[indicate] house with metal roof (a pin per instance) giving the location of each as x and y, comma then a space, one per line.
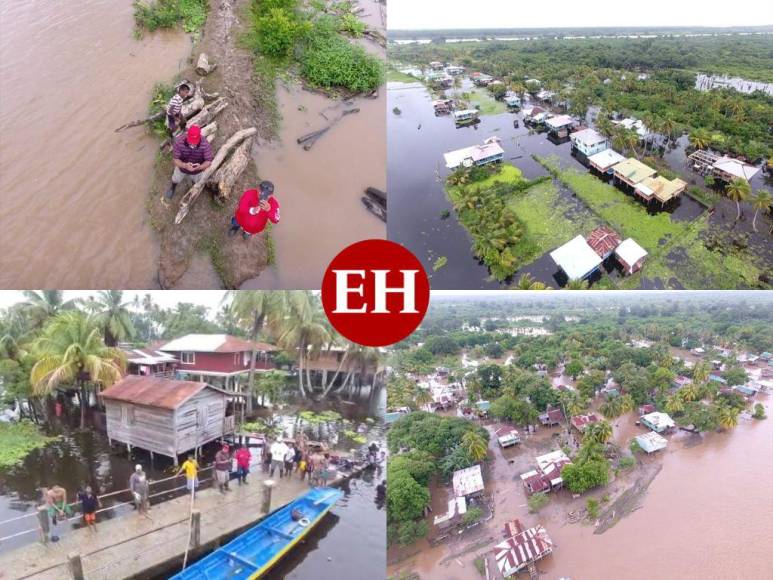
632, 171
651, 442
727, 168
513, 102
658, 422
630, 255
507, 436
466, 116
467, 482
576, 259
636, 125
588, 142
580, 422
490, 152
560, 125
551, 417
547, 475
522, 549
148, 361
659, 188
604, 161
603, 240
165, 416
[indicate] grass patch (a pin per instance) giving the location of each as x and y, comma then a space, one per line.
482, 100
395, 76
537, 501
17, 440
155, 14
439, 263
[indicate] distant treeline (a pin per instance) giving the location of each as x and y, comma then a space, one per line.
564, 32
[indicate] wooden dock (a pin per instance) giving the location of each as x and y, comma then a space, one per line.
135, 546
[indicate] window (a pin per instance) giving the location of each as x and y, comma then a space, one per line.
127, 415
188, 358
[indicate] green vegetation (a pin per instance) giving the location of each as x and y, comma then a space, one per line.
537, 501
759, 411
287, 33
592, 505
472, 515
395, 76
17, 440
481, 197
158, 101
439, 263
677, 250
604, 72
588, 470
627, 461
150, 15
481, 99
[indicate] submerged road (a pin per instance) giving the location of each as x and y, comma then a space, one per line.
127, 546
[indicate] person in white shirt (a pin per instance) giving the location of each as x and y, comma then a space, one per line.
278, 452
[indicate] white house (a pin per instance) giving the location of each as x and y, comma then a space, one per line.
588, 142
576, 258
651, 442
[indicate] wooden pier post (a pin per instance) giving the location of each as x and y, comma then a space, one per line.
44, 523
75, 566
196, 531
268, 484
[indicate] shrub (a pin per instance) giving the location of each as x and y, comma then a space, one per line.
759, 411
537, 502
472, 515
168, 13
626, 462
580, 477
277, 32
406, 498
329, 61
411, 531
351, 25
634, 446
593, 508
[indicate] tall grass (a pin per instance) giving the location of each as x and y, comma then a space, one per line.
152, 15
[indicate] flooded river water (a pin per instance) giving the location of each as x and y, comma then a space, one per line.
707, 514
72, 192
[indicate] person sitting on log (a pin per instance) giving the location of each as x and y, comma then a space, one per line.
174, 118
255, 210
191, 156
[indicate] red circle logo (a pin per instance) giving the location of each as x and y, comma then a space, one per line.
375, 292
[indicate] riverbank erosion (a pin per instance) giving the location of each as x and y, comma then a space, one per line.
196, 220
144, 547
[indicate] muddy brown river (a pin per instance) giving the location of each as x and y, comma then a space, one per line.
72, 192
707, 514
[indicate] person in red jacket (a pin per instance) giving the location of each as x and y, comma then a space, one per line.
254, 211
243, 458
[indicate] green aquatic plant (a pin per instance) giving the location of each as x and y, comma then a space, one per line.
17, 440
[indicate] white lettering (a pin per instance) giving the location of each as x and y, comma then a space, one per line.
343, 290
408, 290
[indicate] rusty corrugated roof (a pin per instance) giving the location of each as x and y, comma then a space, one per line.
154, 391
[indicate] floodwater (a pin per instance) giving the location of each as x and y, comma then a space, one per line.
319, 190
702, 506
708, 82
72, 191
417, 140
84, 457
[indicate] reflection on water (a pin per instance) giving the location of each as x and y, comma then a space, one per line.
72, 191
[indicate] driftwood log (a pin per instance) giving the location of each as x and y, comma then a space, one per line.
209, 131
221, 155
375, 201
208, 113
203, 66
191, 106
308, 140
224, 179
380, 197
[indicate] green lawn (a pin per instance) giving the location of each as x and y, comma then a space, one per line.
482, 100
675, 248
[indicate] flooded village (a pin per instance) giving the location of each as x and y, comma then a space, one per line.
581, 186
618, 434
261, 429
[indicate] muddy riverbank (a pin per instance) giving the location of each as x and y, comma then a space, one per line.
70, 73
691, 509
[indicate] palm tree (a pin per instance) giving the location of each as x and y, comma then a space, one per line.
728, 416
611, 408
422, 397
474, 445
72, 352
675, 404
600, 432
690, 392
111, 314
738, 190
668, 126
760, 201
42, 305
527, 282
252, 308
700, 372
304, 329
700, 138
576, 285
626, 404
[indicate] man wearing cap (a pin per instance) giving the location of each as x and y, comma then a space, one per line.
223, 468
191, 156
139, 486
256, 207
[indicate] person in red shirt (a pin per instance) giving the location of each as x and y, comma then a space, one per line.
243, 458
254, 211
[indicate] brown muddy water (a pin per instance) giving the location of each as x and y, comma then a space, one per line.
72, 192
319, 190
707, 514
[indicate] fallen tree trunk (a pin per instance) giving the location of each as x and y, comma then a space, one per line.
220, 157
378, 196
203, 66
195, 104
208, 113
310, 139
209, 131
225, 178
137, 123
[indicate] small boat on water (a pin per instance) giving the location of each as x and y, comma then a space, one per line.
255, 551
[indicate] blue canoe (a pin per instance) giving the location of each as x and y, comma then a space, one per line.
252, 553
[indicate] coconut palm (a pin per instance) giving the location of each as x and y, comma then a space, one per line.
675, 404
111, 314
690, 392
252, 309
738, 190
600, 432
43, 304
576, 285
422, 397
627, 404
727, 416
700, 372
611, 408
474, 445
71, 351
304, 329
700, 138
760, 201
527, 282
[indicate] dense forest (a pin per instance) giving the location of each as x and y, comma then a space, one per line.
605, 73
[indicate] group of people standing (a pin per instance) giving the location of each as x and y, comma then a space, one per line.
289, 458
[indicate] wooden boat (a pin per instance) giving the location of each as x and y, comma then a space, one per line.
255, 551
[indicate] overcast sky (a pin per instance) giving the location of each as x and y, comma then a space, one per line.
439, 14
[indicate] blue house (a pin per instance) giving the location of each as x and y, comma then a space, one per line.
588, 142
